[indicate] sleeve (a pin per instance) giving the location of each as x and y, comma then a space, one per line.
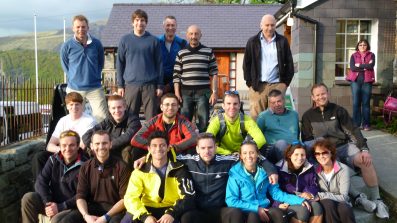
88, 134
353, 65
132, 197
369, 65
214, 128
64, 58
213, 67
260, 121
158, 61
233, 197
289, 62
125, 174
254, 131
140, 138
189, 133
311, 183
58, 128
307, 130
101, 56
344, 184
132, 127
43, 182
267, 166
121, 63
350, 129
178, 67
83, 185
278, 195
247, 64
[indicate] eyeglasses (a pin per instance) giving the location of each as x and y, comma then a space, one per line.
322, 153
170, 105
231, 92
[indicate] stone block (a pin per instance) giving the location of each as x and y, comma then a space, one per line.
6, 162
21, 177
7, 196
11, 213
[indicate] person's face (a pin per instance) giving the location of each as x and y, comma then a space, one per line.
193, 35
231, 105
101, 145
80, 29
362, 47
75, 108
139, 25
277, 104
117, 109
170, 27
206, 149
323, 156
69, 148
298, 158
268, 26
249, 155
320, 96
158, 148
169, 107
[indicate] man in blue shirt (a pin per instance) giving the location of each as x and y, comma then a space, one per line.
82, 59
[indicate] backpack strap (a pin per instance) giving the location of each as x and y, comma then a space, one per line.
222, 127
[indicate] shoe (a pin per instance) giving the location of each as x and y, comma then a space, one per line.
367, 205
382, 211
367, 128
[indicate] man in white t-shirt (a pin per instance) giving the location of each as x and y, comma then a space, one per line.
76, 120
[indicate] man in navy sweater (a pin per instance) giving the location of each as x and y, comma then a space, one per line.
140, 67
82, 59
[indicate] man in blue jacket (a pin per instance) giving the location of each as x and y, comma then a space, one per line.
56, 185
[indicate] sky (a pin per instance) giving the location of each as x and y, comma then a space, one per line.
17, 16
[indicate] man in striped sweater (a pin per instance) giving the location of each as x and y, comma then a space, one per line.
194, 65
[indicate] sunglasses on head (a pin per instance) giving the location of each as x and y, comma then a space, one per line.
297, 143
68, 133
231, 92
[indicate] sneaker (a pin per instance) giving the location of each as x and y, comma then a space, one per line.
367, 205
382, 211
367, 128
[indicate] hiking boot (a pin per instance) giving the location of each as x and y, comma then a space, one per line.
382, 211
367, 205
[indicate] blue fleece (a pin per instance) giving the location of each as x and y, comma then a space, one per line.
139, 61
82, 65
169, 56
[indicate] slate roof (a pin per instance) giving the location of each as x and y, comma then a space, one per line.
223, 26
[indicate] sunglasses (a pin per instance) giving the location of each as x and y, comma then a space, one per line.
322, 153
68, 133
231, 92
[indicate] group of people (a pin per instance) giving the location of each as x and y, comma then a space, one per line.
231, 168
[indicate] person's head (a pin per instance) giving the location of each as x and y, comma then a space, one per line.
363, 45
69, 142
80, 27
193, 34
74, 103
324, 151
268, 25
169, 105
249, 153
158, 145
276, 101
231, 104
139, 21
320, 95
117, 107
206, 147
295, 155
101, 143
169, 25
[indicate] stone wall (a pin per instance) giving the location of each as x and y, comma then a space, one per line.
16, 176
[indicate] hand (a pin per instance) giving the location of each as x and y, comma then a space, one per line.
166, 218
139, 162
213, 99
357, 65
179, 97
262, 212
307, 205
51, 209
273, 179
306, 195
90, 218
121, 92
159, 92
150, 219
101, 219
366, 158
283, 206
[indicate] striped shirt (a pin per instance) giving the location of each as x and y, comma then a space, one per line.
194, 66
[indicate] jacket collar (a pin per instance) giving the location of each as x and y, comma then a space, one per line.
337, 167
283, 165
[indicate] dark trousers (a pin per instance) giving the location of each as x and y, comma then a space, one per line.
99, 209
155, 212
276, 216
213, 215
337, 212
197, 99
144, 95
38, 161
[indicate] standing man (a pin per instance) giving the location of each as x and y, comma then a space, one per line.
279, 125
171, 44
193, 68
140, 67
82, 59
267, 65
102, 183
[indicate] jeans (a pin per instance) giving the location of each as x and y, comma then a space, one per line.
361, 93
198, 99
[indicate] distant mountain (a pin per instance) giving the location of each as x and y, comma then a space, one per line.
49, 41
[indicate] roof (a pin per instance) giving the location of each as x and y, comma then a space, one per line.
223, 26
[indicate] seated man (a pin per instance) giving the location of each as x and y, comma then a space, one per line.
102, 183
76, 120
181, 132
279, 125
231, 126
56, 185
162, 190
333, 122
120, 125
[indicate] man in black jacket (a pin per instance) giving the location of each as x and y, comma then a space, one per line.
120, 125
267, 65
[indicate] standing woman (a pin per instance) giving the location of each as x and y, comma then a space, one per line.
248, 185
334, 183
362, 76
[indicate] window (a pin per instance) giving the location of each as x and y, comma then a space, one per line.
348, 33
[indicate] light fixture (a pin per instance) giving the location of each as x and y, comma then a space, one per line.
290, 20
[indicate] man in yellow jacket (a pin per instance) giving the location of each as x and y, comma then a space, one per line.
162, 190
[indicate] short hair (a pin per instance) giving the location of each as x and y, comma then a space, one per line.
205, 135
116, 97
70, 133
249, 142
156, 135
101, 133
317, 86
139, 13
74, 97
233, 94
328, 145
169, 95
80, 18
274, 93
169, 17
288, 153
363, 41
